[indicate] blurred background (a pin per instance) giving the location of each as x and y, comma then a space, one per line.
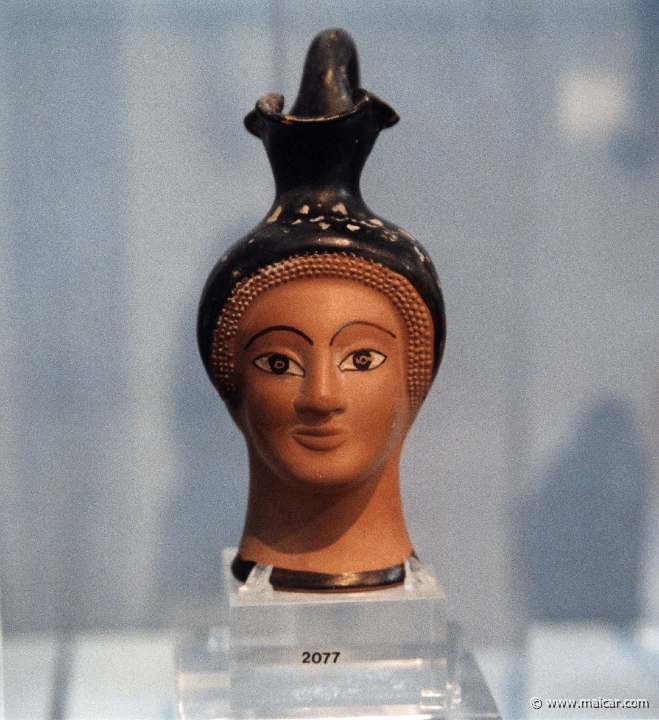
527, 163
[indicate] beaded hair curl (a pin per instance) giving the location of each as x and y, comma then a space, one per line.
343, 266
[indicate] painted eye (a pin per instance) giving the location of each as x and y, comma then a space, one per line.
362, 360
278, 364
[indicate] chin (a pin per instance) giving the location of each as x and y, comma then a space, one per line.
332, 470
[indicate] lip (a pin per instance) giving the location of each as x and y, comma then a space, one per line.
319, 438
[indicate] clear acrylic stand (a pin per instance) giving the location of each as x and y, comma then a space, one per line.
312, 655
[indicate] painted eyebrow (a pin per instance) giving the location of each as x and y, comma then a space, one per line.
279, 327
360, 322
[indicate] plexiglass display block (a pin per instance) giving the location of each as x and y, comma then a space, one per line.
308, 655
336, 649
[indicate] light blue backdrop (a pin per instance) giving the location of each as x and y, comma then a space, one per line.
526, 163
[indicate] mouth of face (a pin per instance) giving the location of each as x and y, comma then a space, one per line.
319, 438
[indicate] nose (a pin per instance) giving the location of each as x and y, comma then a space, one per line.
321, 395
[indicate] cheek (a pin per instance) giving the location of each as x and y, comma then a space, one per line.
267, 402
381, 404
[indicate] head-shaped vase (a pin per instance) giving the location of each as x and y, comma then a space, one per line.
322, 330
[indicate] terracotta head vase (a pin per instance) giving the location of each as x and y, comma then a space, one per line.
322, 330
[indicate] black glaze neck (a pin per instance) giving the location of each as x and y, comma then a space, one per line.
322, 143
321, 154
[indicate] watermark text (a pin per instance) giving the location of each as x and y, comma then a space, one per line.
590, 704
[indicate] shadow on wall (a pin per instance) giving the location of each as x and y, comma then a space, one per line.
582, 532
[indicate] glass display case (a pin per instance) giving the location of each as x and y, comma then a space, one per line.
526, 163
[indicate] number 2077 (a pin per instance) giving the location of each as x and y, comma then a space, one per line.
318, 658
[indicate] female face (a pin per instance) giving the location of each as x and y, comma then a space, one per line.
321, 368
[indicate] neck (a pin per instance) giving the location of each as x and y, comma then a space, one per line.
336, 530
